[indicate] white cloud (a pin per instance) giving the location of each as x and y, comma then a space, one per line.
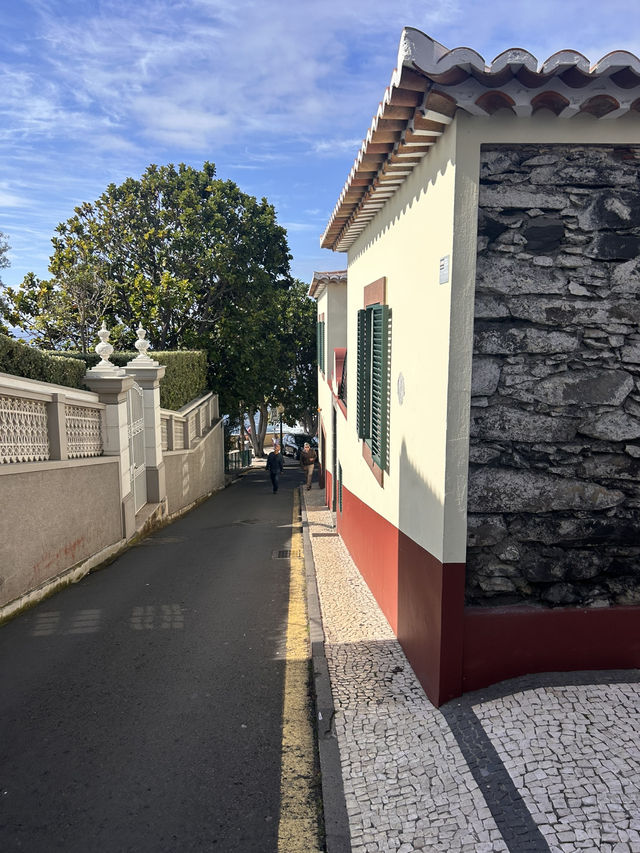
300, 226
91, 93
251, 66
337, 146
11, 199
204, 72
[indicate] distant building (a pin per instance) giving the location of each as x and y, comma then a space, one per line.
479, 363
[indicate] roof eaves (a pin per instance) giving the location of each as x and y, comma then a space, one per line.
321, 280
431, 82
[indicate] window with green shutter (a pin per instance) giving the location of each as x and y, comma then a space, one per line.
342, 389
320, 343
372, 412
363, 406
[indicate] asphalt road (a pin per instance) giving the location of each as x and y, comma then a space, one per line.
140, 710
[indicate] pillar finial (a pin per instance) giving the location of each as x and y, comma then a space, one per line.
104, 348
142, 345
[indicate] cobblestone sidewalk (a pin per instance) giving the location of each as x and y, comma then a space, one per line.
542, 763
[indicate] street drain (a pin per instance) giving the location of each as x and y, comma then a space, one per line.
285, 554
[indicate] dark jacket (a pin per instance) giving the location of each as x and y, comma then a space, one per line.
308, 457
275, 462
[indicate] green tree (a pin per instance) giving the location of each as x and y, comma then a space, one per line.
178, 248
200, 263
270, 359
299, 391
63, 313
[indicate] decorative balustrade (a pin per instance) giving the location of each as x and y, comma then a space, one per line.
23, 430
181, 430
40, 422
84, 431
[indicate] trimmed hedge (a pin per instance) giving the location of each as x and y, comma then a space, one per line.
20, 359
185, 378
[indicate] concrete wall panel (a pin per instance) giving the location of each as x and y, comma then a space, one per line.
64, 512
193, 474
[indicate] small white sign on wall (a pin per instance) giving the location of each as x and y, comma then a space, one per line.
444, 269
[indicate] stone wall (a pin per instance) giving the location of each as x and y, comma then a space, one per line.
554, 480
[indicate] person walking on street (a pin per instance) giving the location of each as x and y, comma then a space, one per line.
275, 464
308, 460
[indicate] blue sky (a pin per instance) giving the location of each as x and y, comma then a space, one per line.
279, 95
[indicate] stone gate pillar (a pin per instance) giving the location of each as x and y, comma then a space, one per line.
147, 373
111, 384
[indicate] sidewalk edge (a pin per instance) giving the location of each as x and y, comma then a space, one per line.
336, 821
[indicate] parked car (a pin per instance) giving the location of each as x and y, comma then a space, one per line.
292, 444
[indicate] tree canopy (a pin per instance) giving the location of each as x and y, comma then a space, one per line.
201, 264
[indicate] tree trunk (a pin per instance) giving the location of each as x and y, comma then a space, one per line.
257, 450
262, 424
241, 436
258, 432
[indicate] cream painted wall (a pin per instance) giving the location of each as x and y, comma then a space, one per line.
195, 473
55, 515
405, 243
336, 319
326, 307
433, 323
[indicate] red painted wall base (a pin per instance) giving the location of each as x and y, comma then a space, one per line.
421, 598
327, 488
502, 643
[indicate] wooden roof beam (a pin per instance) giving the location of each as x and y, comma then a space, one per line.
406, 98
398, 112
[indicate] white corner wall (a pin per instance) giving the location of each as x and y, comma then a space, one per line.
335, 310
405, 244
324, 307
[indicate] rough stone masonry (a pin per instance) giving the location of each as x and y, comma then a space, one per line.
554, 480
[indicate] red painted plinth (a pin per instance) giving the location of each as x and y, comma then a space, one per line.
421, 598
327, 488
502, 643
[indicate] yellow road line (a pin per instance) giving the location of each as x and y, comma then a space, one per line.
298, 829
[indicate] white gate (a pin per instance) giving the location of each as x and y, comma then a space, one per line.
135, 413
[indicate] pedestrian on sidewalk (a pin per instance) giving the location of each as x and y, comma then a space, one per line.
275, 464
308, 461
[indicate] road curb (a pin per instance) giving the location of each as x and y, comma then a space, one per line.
336, 821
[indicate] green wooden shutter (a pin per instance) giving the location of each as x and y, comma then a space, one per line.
379, 383
363, 405
320, 345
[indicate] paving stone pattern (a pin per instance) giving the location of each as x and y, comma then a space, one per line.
544, 763
573, 752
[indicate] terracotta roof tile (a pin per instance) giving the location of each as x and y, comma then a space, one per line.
322, 279
431, 82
